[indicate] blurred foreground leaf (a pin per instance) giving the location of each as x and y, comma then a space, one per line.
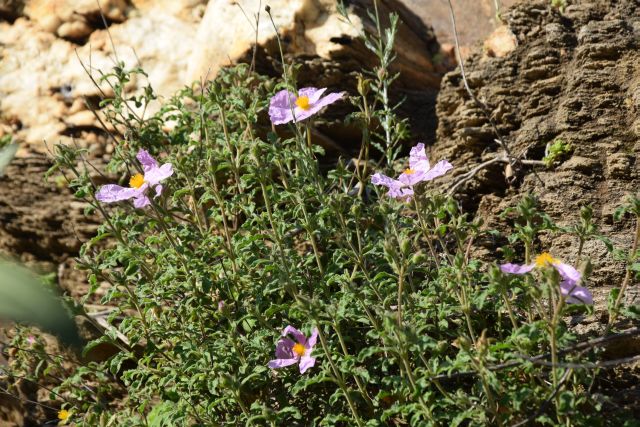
23, 298
7, 153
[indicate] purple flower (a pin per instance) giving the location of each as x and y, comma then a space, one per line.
419, 170
290, 352
138, 184
286, 106
569, 287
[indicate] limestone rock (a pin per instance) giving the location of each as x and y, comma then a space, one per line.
572, 77
312, 29
51, 14
41, 76
500, 43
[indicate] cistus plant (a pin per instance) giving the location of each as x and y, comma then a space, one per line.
398, 320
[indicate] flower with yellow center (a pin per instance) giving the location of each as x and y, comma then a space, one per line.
298, 349
545, 259
295, 351
303, 102
63, 415
136, 181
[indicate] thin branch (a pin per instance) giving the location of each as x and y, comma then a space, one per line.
535, 359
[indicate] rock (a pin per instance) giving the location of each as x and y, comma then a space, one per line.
11, 9
500, 43
41, 76
82, 119
74, 30
312, 29
475, 19
573, 77
37, 219
51, 14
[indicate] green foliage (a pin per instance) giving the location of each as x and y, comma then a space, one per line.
556, 152
559, 4
250, 235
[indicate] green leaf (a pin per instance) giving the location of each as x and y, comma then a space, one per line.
25, 299
7, 154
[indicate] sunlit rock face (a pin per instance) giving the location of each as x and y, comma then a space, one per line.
570, 77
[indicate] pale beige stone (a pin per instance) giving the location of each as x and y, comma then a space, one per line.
500, 43
74, 30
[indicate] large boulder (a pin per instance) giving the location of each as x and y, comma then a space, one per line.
574, 76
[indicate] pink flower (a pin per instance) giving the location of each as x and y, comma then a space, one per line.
139, 184
570, 277
286, 106
289, 352
419, 170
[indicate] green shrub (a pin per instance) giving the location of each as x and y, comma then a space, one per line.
250, 235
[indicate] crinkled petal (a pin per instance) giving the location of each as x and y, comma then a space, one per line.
284, 349
311, 342
418, 158
567, 272
281, 363
114, 193
327, 100
155, 175
158, 189
411, 178
141, 201
315, 107
381, 179
146, 160
576, 294
306, 362
299, 336
516, 268
313, 93
405, 193
438, 169
280, 107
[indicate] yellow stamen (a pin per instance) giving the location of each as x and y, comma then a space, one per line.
63, 415
409, 171
299, 349
303, 102
544, 259
136, 181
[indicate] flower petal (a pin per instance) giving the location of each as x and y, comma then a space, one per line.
411, 179
405, 193
299, 336
438, 169
315, 107
141, 201
158, 189
418, 158
576, 294
327, 100
114, 193
312, 93
155, 175
381, 179
568, 273
284, 349
281, 363
306, 362
311, 342
516, 268
280, 107
146, 160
